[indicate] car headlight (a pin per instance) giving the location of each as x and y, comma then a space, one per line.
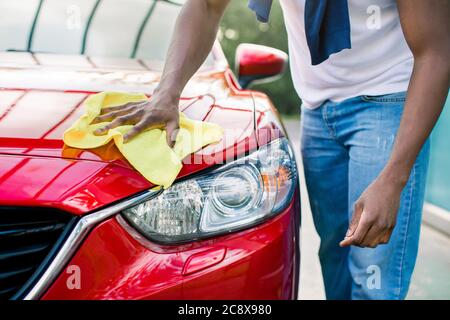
235, 196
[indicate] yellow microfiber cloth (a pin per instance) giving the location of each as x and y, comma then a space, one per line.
148, 152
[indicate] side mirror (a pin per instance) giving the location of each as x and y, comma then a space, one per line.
256, 63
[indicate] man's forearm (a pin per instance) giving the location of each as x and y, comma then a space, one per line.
429, 83
425, 100
193, 38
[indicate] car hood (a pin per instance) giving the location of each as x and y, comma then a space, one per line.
36, 168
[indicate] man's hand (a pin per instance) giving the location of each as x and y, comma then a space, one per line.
374, 215
160, 111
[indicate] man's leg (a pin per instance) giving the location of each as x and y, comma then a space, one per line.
325, 163
383, 272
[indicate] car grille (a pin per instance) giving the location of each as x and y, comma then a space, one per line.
29, 238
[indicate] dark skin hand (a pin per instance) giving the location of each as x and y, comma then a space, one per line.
426, 25
186, 54
159, 111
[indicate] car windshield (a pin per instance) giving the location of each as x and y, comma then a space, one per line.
136, 29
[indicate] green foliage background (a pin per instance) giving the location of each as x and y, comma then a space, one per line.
240, 25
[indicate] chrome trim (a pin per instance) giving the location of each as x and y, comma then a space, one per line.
76, 237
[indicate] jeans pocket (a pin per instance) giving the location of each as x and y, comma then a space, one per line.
398, 97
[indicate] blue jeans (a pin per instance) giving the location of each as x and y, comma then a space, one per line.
344, 147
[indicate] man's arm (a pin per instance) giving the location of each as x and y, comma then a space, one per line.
426, 26
192, 40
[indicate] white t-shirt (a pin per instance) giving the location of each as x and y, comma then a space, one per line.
380, 62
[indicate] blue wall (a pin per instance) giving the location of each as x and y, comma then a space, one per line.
438, 188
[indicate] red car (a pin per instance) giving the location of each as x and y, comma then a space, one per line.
83, 224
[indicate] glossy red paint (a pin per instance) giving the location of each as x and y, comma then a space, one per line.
258, 263
71, 185
256, 60
203, 260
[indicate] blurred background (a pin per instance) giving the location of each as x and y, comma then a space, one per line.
239, 26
